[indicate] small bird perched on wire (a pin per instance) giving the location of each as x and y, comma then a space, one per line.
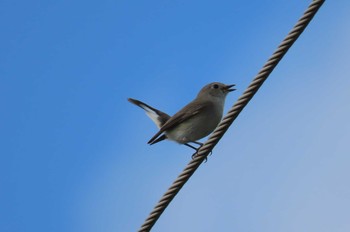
194, 121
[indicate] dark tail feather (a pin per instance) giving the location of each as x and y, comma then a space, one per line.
161, 138
154, 138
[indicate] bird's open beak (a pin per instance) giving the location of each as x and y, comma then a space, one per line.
228, 88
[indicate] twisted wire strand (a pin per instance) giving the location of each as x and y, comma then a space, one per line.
248, 94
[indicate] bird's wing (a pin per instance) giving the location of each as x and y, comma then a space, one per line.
184, 114
157, 116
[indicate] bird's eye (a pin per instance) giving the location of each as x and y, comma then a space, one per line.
215, 86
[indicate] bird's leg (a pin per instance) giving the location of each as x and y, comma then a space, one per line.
188, 145
193, 147
201, 144
196, 149
198, 143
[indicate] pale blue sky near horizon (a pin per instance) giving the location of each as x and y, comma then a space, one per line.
74, 153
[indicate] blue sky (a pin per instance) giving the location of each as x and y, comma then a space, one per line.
73, 154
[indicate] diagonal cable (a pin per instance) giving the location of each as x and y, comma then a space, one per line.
248, 94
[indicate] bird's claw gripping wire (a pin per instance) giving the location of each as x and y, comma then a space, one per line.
196, 149
205, 160
194, 154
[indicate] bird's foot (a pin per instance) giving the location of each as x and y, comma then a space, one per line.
196, 149
195, 154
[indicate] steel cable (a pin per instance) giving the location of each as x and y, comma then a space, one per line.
248, 94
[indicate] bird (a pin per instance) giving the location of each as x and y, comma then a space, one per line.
194, 121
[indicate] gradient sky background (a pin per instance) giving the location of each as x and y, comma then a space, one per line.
73, 154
